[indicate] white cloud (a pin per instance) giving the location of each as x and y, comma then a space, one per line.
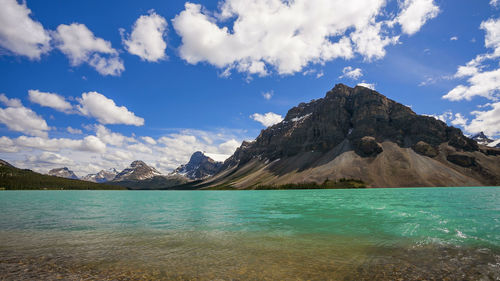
20, 34
10, 102
254, 37
443, 117
267, 119
89, 143
459, 120
484, 83
140, 147
268, 95
80, 45
370, 43
229, 146
106, 111
149, 140
415, 13
21, 119
112, 138
367, 85
7, 145
146, 40
353, 73
494, 3
49, 158
91, 153
74, 131
486, 121
454, 38
51, 100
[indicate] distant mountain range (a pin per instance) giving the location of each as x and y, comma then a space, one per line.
102, 176
15, 178
351, 137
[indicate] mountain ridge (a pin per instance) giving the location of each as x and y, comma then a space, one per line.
358, 133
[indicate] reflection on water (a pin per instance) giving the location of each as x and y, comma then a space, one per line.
402, 234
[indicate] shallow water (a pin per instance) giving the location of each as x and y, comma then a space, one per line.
370, 234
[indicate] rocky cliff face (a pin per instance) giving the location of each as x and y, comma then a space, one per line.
360, 127
137, 170
199, 167
359, 115
102, 176
62, 173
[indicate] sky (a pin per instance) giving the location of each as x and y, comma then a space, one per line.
92, 85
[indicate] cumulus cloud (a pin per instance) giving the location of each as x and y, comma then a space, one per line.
49, 158
486, 121
19, 33
112, 138
350, 72
108, 149
482, 81
229, 146
51, 100
80, 45
255, 37
10, 102
267, 119
494, 3
140, 147
106, 111
454, 38
459, 120
7, 145
22, 119
415, 14
146, 40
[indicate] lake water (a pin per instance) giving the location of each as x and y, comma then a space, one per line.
369, 234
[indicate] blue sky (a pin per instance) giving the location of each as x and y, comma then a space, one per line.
96, 84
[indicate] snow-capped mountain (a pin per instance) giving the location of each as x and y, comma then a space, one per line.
199, 166
102, 176
495, 143
482, 139
138, 170
62, 173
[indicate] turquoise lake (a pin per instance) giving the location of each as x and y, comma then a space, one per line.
367, 234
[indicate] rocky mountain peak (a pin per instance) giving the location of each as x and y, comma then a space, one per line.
199, 166
62, 173
482, 139
102, 176
138, 170
350, 115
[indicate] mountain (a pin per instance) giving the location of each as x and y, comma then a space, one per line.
62, 173
357, 133
482, 139
137, 170
102, 176
15, 178
199, 167
495, 143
